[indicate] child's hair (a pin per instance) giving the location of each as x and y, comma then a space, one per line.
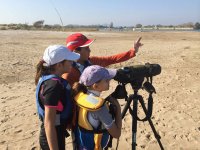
43, 70
78, 87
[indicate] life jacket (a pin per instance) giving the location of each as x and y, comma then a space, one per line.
66, 114
89, 137
80, 67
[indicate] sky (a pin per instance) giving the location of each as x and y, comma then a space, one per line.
100, 12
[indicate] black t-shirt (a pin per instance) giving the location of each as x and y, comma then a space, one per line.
51, 93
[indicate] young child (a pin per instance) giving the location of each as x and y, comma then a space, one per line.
53, 96
95, 123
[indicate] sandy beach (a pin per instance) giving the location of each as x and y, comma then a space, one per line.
176, 108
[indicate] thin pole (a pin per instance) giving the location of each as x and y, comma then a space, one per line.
57, 12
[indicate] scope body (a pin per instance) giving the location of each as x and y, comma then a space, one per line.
137, 72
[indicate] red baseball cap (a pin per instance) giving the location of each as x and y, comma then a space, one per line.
77, 40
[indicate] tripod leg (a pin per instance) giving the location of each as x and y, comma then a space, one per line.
157, 136
134, 117
127, 106
134, 122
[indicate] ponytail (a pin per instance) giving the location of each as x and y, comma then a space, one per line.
41, 69
78, 87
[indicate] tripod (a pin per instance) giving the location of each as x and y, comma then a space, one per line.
133, 111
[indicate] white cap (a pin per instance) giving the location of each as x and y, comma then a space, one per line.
57, 53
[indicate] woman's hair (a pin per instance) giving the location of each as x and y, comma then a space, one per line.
78, 49
78, 87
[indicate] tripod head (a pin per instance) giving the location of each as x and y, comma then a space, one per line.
121, 93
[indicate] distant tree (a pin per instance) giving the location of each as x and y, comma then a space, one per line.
159, 25
38, 24
111, 25
149, 26
70, 26
57, 26
46, 26
197, 26
24, 26
138, 25
187, 25
12, 25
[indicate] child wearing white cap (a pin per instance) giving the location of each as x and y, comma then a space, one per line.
53, 98
95, 122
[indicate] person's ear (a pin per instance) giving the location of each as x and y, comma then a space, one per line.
59, 64
95, 86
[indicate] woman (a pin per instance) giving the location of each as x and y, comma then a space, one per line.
53, 97
95, 122
79, 43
